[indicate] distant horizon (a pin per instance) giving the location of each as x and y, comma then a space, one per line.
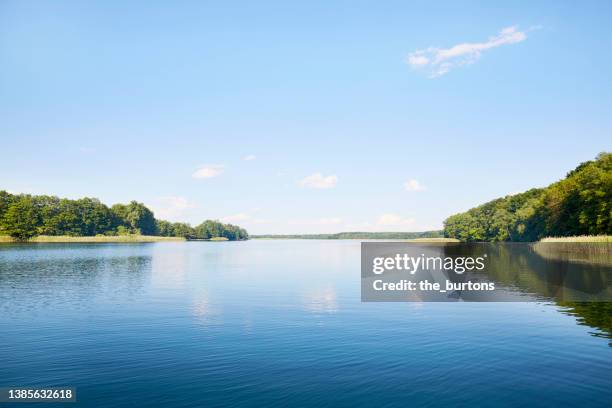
350, 232
257, 234
330, 232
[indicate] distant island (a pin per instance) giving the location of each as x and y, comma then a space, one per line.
24, 217
357, 235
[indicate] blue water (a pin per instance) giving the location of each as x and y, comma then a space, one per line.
274, 323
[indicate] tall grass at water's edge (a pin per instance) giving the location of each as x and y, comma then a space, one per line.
590, 249
581, 238
100, 238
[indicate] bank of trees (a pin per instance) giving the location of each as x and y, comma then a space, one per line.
209, 229
580, 204
24, 216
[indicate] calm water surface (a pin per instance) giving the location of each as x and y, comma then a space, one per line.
269, 323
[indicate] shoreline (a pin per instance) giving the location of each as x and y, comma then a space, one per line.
583, 241
95, 239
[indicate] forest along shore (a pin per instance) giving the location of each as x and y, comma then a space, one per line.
106, 238
24, 216
101, 239
577, 205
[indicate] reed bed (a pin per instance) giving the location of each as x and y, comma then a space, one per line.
579, 238
590, 249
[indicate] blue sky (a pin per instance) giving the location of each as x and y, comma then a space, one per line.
301, 117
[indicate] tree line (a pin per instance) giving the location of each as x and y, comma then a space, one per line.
24, 216
579, 204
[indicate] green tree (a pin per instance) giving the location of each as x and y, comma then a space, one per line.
50, 215
5, 200
180, 229
96, 218
580, 204
21, 219
214, 229
135, 216
164, 228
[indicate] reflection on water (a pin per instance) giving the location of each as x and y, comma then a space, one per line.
551, 271
321, 301
269, 323
60, 274
169, 265
204, 310
594, 314
559, 279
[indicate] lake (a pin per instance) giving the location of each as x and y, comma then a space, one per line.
281, 323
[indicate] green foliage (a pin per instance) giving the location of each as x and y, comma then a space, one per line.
25, 216
184, 230
580, 204
5, 201
164, 228
20, 220
84, 217
123, 230
210, 229
135, 216
177, 229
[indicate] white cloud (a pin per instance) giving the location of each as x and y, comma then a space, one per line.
394, 220
413, 185
439, 61
329, 221
249, 157
240, 217
317, 180
318, 221
417, 60
208, 171
172, 208
247, 217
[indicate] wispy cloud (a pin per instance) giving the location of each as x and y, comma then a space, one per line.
329, 221
237, 218
208, 171
317, 180
439, 61
413, 185
318, 221
246, 217
249, 157
394, 220
172, 208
